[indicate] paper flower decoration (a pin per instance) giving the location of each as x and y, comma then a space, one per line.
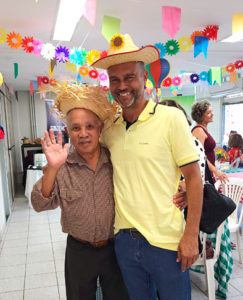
239, 64
92, 56
27, 44
176, 81
203, 76
196, 33
194, 78
14, 40
117, 41
78, 56
62, 54
185, 43
45, 79
230, 68
84, 71
167, 82
105, 88
53, 82
172, 47
211, 32
48, 51
3, 36
93, 74
103, 54
103, 76
37, 44
161, 48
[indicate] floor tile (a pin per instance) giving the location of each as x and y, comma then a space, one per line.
40, 281
12, 271
60, 278
62, 292
40, 256
40, 268
50, 293
35, 240
11, 284
59, 265
12, 260
12, 295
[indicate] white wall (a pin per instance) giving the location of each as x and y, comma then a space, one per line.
40, 113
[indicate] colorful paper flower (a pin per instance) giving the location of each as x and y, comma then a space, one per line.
117, 41
93, 74
103, 54
211, 32
239, 64
230, 68
3, 36
194, 78
48, 51
185, 43
45, 79
62, 54
37, 44
53, 82
176, 81
167, 82
84, 71
14, 40
172, 47
92, 56
103, 76
161, 48
78, 56
27, 44
203, 76
105, 88
196, 33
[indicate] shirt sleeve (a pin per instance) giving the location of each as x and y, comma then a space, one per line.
182, 142
41, 203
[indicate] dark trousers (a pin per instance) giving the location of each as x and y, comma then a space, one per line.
83, 265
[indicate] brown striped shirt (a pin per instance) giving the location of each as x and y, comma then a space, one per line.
84, 195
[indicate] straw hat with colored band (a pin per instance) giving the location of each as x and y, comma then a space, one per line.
93, 98
122, 50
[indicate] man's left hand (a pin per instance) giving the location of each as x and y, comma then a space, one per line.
187, 251
179, 199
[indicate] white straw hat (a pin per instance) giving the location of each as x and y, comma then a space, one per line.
122, 50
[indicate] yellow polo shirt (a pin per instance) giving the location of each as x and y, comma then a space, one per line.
146, 160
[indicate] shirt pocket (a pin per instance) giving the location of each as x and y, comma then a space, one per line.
70, 195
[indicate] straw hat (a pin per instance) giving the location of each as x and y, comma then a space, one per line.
93, 98
122, 50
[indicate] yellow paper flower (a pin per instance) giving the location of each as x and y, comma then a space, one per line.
92, 56
117, 41
3, 36
185, 43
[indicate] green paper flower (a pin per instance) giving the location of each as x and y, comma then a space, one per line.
172, 47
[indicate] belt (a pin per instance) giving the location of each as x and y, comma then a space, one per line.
134, 233
93, 244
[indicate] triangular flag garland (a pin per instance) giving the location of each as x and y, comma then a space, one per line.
110, 27
1, 133
1, 78
201, 45
171, 19
16, 70
90, 11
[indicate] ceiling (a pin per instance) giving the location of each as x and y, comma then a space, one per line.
140, 18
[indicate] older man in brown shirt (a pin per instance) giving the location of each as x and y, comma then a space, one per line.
80, 182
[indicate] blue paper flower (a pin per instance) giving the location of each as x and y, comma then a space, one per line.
161, 48
203, 76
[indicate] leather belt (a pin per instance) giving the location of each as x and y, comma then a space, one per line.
134, 233
93, 244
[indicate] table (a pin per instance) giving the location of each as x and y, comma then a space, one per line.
33, 175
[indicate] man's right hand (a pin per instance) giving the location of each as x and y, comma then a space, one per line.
56, 154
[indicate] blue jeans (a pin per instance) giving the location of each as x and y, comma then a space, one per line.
146, 268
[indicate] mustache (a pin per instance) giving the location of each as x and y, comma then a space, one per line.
84, 140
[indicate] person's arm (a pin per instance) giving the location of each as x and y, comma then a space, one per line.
188, 246
200, 134
218, 174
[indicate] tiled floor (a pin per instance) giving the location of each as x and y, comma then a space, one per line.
32, 259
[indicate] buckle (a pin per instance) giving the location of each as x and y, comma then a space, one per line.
134, 233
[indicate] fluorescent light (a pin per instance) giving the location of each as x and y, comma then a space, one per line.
236, 95
236, 37
69, 14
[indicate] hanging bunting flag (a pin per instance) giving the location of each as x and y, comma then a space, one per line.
71, 67
31, 88
237, 23
171, 19
39, 81
90, 11
233, 77
201, 45
1, 78
35, 85
16, 70
215, 75
110, 27
79, 78
1, 133
52, 65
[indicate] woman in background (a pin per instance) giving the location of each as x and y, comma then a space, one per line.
202, 114
235, 145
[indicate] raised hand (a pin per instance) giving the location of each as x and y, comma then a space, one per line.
56, 154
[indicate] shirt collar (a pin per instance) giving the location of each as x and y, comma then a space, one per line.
147, 112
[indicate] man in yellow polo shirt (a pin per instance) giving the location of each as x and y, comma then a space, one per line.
150, 146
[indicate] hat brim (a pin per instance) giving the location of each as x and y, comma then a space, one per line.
147, 55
